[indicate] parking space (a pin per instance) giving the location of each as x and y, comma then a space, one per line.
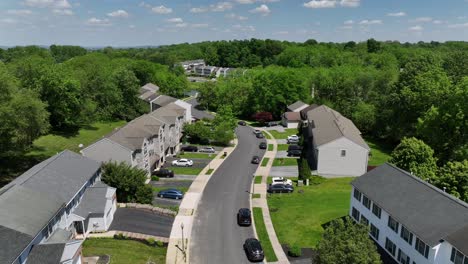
284, 171
169, 184
141, 221
197, 163
282, 154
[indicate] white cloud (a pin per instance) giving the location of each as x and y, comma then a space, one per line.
234, 16
19, 12
65, 12
348, 22
244, 28
175, 20
198, 10
132, 26
181, 25
243, 2
370, 22
320, 4
161, 10
221, 7
397, 14
118, 13
98, 22
347, 27
199, 25
421, 20
281, 33
437, 22
350, 3
57, 4
8, 21
263, 10
416, 28
464, 25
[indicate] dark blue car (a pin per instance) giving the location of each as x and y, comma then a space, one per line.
171, 193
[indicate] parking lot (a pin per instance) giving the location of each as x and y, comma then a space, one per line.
168, 184
141, 221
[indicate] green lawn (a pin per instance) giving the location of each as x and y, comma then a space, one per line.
208, 172
186, 170
282, 147
285, 162
258, 179
265, 162
191, 155
267, 136
380, 152
298, 217
263, 235
256, 196
284, 135
124, 251
270, 147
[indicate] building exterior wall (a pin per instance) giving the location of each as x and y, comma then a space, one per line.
331, 162
188, 110
104, 150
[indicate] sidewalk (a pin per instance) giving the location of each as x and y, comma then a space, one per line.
182, 226
262, 201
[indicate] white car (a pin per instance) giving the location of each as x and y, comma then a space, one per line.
182, 163
256, 131
281, 180
293, 137
207, 150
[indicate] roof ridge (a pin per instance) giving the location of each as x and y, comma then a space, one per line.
50, 160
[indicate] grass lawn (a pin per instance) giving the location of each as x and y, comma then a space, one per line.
282, 147
191, 155
258, 179
186, 170
157, 189
124, 251
265, 162
285, 162
263, 235
298, 217
283, 135
208, 172
267, 136
256, 196
270, 147
380, 152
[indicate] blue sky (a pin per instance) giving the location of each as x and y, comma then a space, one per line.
156, 22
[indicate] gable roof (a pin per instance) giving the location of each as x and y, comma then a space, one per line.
292, 116
46, 253
12, 244
163, 100
428, 212
168, 113
296, 105
327, 125
306, 110
94, 200
150, 87
148, 92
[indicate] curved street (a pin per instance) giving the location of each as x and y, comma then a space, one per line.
216, 237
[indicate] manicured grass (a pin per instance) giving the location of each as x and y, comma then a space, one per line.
270, 147
283, 135
298, 217
49, 145
256, 196
263, 235
209, 172
282, 147
157, 189
191, 155
265, 162
285, 162
380, 152
267, 136
124, 251
186, 170
258, 179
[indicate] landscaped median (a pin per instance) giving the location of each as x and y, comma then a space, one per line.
186, 170
285, 162
263, 235
265, 162
195, 155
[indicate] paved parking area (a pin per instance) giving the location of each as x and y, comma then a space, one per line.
197, 163
164, 202
141, 221
284, 171
277, 128
282, 154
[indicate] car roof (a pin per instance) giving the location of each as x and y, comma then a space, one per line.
166, 190
244, 210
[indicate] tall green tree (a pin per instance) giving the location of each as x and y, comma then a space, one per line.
453, 178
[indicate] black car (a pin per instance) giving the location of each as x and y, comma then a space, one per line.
253, 249
263, 145
280, 188
164, 173
294, 147
272, 123
259, 135
242, 123
294, 153
190, 148
255, 160
244, 217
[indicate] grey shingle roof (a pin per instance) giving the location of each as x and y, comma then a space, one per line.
46, 254
198, 114
60, 236
133, 134
164, 100
12, 244
307, 109
94, 201
296, 105
150, 87
327, 125
428, 212
148, 92
292, 116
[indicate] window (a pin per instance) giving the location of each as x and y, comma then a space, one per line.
343, 153
355, 213
357, 194
390, 246
376, 210
402, 257
421, 247
406, 235
366, 202
457, 257
374, 231
393, 224
364, 220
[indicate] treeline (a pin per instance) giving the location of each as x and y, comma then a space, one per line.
65, 87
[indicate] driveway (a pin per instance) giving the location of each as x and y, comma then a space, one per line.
282, 154
168, 184
142, 221
197, 163
216, 237
284, 171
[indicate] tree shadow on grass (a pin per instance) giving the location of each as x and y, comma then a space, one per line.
14, 165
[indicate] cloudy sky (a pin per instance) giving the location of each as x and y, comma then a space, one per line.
156, 22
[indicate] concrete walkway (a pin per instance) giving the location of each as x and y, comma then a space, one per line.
182, 227
262, 201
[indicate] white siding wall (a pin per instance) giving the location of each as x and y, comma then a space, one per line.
442, 250
188, 110
330, 161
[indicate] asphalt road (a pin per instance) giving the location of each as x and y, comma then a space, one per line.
216, 237
142, 221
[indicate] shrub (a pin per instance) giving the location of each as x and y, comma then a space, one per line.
154, 178
294, 251
150, 241
119, 236
159, 243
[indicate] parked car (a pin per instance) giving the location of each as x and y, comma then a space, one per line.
281, 180
294, 153
242, 123
207, 150
171, 193
280, 188
260, 135
190, 148
293, 137
244, 217
294, 147
263, 145
273, 123
255, 160
182, 163
164, 173
256, 131
253, 249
